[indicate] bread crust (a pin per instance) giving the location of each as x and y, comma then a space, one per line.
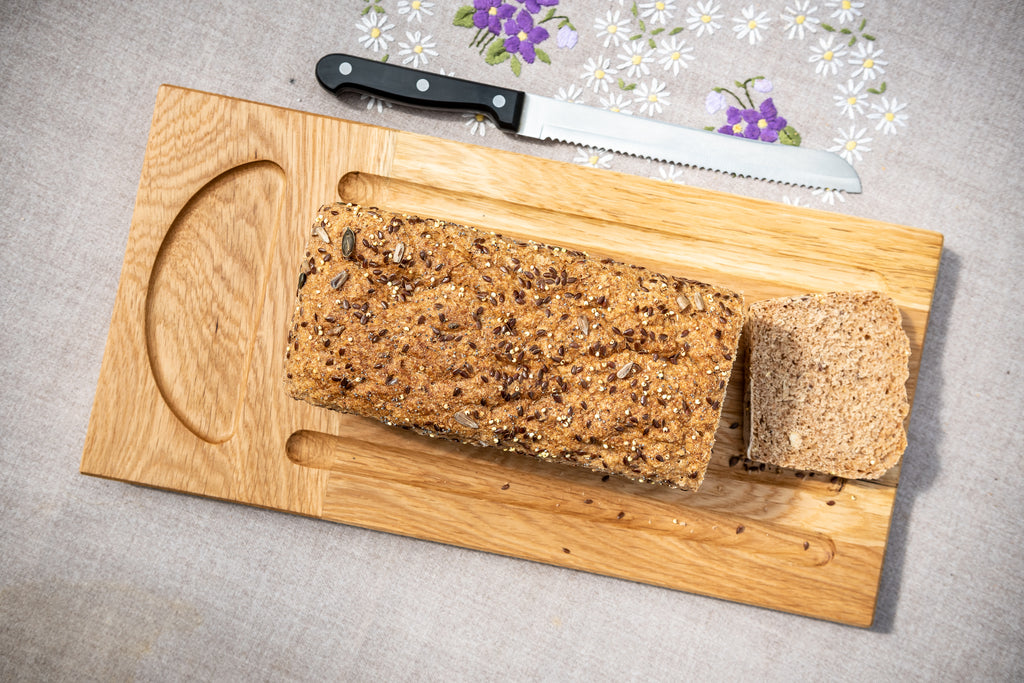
464, 334
826, 383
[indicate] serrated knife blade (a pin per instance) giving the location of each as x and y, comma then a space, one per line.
545, 118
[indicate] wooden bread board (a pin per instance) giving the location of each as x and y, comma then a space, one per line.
190, 395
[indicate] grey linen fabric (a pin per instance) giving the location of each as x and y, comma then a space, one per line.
101, 580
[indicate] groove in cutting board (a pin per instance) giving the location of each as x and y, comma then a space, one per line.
190, 396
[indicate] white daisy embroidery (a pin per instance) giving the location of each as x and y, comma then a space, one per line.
827, 56
595, 158
851, 99
704, 17
751, 25
478, 124
866, 59
613, 27
375, 29
851, 144
793, 201
671, 173
800, 18
372, 102
597, 72
674, 54
636, 58
415, 9
416, 50
889, 115
846, 10
651, 97
570, 93
828, 196
617, 102
657, 12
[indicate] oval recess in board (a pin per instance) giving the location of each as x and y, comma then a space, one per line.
205, 294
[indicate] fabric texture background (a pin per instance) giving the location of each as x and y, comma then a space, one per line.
101, 580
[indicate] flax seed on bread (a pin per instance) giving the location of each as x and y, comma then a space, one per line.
826, 383
468, 335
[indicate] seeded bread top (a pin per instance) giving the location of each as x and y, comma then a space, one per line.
465, 334
827, 383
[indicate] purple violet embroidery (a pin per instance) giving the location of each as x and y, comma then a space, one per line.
490, 13
567, 37
763, 123
512, 30
754, 122
523, 35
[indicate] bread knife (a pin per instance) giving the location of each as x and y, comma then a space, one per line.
545, 118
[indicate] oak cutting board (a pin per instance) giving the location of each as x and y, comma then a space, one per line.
190, 395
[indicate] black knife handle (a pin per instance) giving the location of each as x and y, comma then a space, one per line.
338, 73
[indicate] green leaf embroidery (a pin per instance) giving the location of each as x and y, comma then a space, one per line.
547, 17
496, 54
385, 58
877, 91
711, 128
626, 86
464, 17
845, 31
638, 36
650, 41
789, 136
517, 66
635, 11
863, 23
542, 56
867, 37
852, 41
657, 31
677, 29
828, 28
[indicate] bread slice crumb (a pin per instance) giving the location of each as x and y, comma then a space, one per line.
827, 383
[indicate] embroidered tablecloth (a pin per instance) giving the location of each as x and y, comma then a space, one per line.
104, 581
818, 73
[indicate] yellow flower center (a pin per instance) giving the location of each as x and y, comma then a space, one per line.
522, 36
828, 56
637, 59
751, 24
801, 19
612, 28
869, 63
652, 98
851, 100
762, 124
737, 128
846, 4
418, 49
599, 74
706, 18
593, 159
660, 6
616, 109
375, 32
889, 116
492, 11
676, 56
416, 4
851, 145
479, 118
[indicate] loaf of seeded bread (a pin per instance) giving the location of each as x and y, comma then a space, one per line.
464, 334
826, 383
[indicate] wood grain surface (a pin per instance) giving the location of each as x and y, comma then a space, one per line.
190, 396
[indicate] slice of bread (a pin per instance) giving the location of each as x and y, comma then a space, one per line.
827, 381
